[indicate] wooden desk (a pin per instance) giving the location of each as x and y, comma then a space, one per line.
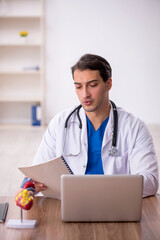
50, 227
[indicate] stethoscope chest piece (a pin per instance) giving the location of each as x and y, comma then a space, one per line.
113, 152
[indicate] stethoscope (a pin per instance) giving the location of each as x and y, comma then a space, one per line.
113, 151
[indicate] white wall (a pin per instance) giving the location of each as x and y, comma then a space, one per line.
125, 32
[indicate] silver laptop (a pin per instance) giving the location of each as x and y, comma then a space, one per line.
100, 198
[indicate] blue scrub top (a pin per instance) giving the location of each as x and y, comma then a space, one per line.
95, 138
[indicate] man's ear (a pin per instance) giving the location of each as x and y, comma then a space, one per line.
108, 84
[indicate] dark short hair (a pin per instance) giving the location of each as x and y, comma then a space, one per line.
94, 62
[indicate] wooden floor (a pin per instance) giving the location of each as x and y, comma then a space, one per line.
18, 146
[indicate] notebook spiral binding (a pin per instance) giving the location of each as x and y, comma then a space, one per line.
66, 164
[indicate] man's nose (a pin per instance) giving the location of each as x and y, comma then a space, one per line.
86, 92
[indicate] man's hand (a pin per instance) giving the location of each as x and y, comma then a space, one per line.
39, 187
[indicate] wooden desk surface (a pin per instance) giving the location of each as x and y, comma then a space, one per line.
49, 224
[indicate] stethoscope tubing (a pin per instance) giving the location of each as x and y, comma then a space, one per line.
76, 109
115, 125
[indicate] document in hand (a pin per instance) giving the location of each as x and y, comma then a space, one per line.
49, 173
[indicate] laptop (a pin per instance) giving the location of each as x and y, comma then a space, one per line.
101, 198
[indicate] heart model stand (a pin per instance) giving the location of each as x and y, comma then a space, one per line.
25, 201
20, 223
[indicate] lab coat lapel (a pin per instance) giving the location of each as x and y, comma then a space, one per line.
109, 130
84, 128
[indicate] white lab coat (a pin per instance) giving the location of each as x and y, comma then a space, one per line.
136, 154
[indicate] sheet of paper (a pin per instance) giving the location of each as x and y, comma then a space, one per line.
48, 173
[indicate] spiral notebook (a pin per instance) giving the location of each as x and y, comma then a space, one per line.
49, 173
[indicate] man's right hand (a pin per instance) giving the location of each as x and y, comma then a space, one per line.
39, 187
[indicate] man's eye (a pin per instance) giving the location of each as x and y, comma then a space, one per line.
93, 85
78, 87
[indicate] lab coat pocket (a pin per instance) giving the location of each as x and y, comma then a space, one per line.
121, 164
117, 165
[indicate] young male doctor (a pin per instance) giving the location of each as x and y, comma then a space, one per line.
86, 148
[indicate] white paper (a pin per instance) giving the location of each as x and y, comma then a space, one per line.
48, 173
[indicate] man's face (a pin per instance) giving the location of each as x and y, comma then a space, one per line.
91, 90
